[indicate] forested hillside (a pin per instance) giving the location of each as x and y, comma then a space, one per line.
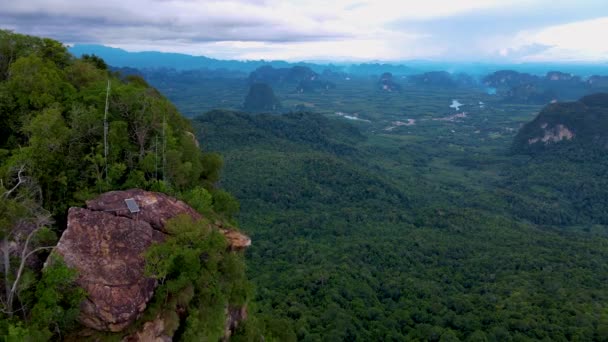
383, 237
564, 181
52, 157
434, 211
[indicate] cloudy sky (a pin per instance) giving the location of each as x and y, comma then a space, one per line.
391, 30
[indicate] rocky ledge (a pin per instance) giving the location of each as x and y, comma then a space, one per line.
105, 243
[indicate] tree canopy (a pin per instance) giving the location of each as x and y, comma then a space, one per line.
53, 141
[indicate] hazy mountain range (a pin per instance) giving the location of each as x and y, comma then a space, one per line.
154, 59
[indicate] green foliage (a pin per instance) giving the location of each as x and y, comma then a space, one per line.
11, 211
83, 75
411, 234
225, 203
55, 307
221, 128
197, 272
212, 165
138, 80
58, 299
52, 110
14, 46
562, 183
47, 150
200, 199
98, 62
118, 138
36, 83
366, 231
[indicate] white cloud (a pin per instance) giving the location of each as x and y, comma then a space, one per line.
577, 41
320, 29
383, 11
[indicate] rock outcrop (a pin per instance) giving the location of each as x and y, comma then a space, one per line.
107, 252
234, 316
152, 331
387, 83
236, 240
261, 98
105, 242
155, 208
552, 135
581, 123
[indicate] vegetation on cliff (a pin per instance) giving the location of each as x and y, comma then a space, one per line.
55, 153
380, 216
582, 123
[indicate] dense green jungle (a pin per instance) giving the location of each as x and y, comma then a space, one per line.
381, 207
52, 158
390, 216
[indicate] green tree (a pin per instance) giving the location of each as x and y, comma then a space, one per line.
225, 203
194, 260
36, 83
200, 199
212, 166
48, 137
97, 61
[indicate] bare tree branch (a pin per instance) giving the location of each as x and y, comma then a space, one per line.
7, 268
36, 250
27, 195
24, 256
21, 181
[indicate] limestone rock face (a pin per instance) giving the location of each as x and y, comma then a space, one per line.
155, 208
105, 243
236, 240
152, 331
234, 316
261, 97
107, 252
581, 123
387, 83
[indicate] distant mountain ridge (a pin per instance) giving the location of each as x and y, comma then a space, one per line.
268, 74
553, 86
154, 59
306, 79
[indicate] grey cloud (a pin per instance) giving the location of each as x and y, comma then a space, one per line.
467, 35
167, 23
155, 20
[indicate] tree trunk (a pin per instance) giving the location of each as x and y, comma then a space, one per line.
7, 272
